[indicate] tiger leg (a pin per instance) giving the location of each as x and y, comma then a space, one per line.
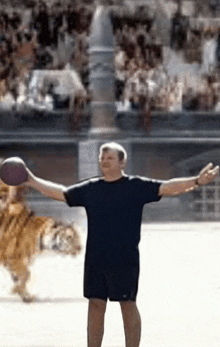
21, 275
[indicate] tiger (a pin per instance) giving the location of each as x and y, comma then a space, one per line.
23, 235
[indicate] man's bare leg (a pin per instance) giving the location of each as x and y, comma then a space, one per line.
132, 323
96, 315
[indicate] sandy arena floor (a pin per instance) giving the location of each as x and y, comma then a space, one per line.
179, 295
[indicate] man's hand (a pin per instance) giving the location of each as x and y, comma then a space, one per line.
207, 174
51, 190
29, 177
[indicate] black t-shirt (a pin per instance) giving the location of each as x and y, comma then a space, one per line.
114, 211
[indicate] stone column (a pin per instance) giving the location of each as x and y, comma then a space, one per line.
89, 158
102, 87
88, 163
102, 81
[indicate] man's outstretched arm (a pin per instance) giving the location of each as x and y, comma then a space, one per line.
178, 186
50, 189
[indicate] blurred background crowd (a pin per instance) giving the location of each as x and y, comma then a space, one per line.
149, 74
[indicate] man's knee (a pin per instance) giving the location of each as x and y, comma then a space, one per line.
128, 305
130, 311
98, 305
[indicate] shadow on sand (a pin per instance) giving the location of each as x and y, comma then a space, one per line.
44, 300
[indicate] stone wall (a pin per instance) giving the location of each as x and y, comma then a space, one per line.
154, 158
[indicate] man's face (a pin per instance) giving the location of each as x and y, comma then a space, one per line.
109, 163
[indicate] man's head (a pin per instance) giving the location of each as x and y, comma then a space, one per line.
112, 159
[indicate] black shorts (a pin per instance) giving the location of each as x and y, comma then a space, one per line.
116, 284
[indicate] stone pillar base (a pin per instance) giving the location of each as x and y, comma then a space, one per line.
88, 157
104, 132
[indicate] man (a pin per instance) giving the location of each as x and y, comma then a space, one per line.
114, 205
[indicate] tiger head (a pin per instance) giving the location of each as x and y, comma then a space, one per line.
64, 239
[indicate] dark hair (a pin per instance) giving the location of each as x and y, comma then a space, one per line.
28, 36
122, 154
19, 36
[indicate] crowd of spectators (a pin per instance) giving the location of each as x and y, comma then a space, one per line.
198, 40
142, 75
52, 35
138, 61
46, 36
